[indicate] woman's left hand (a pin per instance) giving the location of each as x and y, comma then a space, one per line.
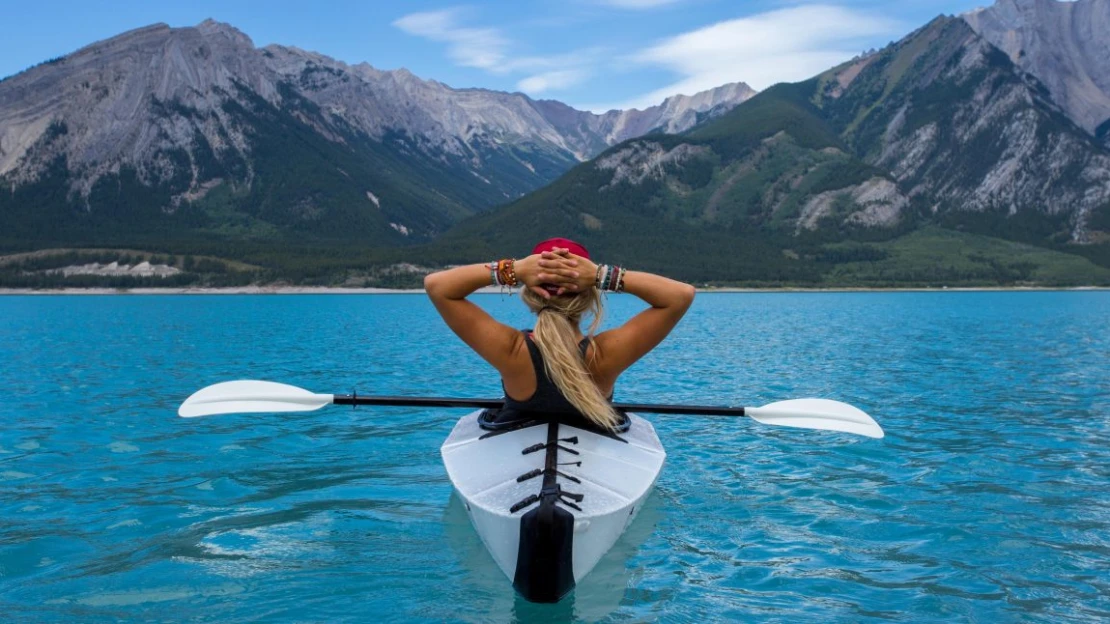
557, 268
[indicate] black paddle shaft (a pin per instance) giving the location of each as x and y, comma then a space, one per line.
403, 401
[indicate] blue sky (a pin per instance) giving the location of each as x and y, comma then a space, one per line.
591, 54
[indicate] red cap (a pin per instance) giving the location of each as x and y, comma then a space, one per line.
564, 243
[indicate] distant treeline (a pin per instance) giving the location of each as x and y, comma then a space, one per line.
705, 258
180, 280
76, 258
43, 271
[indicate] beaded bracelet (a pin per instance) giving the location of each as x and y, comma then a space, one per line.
505, 273
609, 278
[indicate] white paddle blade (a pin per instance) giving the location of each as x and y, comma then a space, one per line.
239, 397
817, 414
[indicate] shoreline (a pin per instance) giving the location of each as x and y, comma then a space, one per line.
329, 290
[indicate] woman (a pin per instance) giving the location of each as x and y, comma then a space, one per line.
555, 369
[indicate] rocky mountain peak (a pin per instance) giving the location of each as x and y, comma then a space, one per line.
102, 96
212, 28
706, 100
1065, 45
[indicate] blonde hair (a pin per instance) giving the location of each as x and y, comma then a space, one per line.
556, 321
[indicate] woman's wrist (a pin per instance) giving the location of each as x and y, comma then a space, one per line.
504, 272
609, 278
529, 269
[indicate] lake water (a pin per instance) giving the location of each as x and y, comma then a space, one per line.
987, 501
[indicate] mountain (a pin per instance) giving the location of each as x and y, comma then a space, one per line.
184, 133
937, 131
676, 114
938, 160
1064, 44
969, 135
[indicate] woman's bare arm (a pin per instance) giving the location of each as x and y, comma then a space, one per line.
621, 347
449, 289
669, 299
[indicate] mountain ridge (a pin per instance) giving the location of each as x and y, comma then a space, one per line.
99, 91
177, 110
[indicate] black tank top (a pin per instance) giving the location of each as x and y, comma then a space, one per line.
547, 402
547, 399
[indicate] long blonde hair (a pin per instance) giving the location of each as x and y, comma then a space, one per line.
557, 319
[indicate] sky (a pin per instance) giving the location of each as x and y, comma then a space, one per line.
591, 54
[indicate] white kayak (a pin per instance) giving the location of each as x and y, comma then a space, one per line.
550, 499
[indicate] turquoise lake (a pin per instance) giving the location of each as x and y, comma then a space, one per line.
988, 501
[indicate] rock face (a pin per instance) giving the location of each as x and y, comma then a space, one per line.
963, 131
646, 159
190, 110
876, 202
1066, 45
102, 95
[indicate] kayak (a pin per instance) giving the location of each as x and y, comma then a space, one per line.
547, 498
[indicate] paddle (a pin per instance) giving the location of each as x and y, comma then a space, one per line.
232, 397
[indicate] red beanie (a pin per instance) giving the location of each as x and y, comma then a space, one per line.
564, 243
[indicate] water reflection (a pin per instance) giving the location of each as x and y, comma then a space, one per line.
598, 595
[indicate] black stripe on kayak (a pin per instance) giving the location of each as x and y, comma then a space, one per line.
544, 565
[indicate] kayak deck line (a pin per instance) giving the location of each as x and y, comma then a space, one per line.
551, 491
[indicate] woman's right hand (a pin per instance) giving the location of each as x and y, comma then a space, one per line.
537, 272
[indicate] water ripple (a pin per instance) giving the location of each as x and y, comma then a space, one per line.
985, 502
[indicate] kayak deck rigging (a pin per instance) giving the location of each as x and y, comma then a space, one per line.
551, 490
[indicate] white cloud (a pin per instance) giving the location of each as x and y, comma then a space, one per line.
552, 81
483, 48
638, 4
577, 59
488, 49
785, 45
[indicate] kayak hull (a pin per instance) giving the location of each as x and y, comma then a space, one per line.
550, 499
